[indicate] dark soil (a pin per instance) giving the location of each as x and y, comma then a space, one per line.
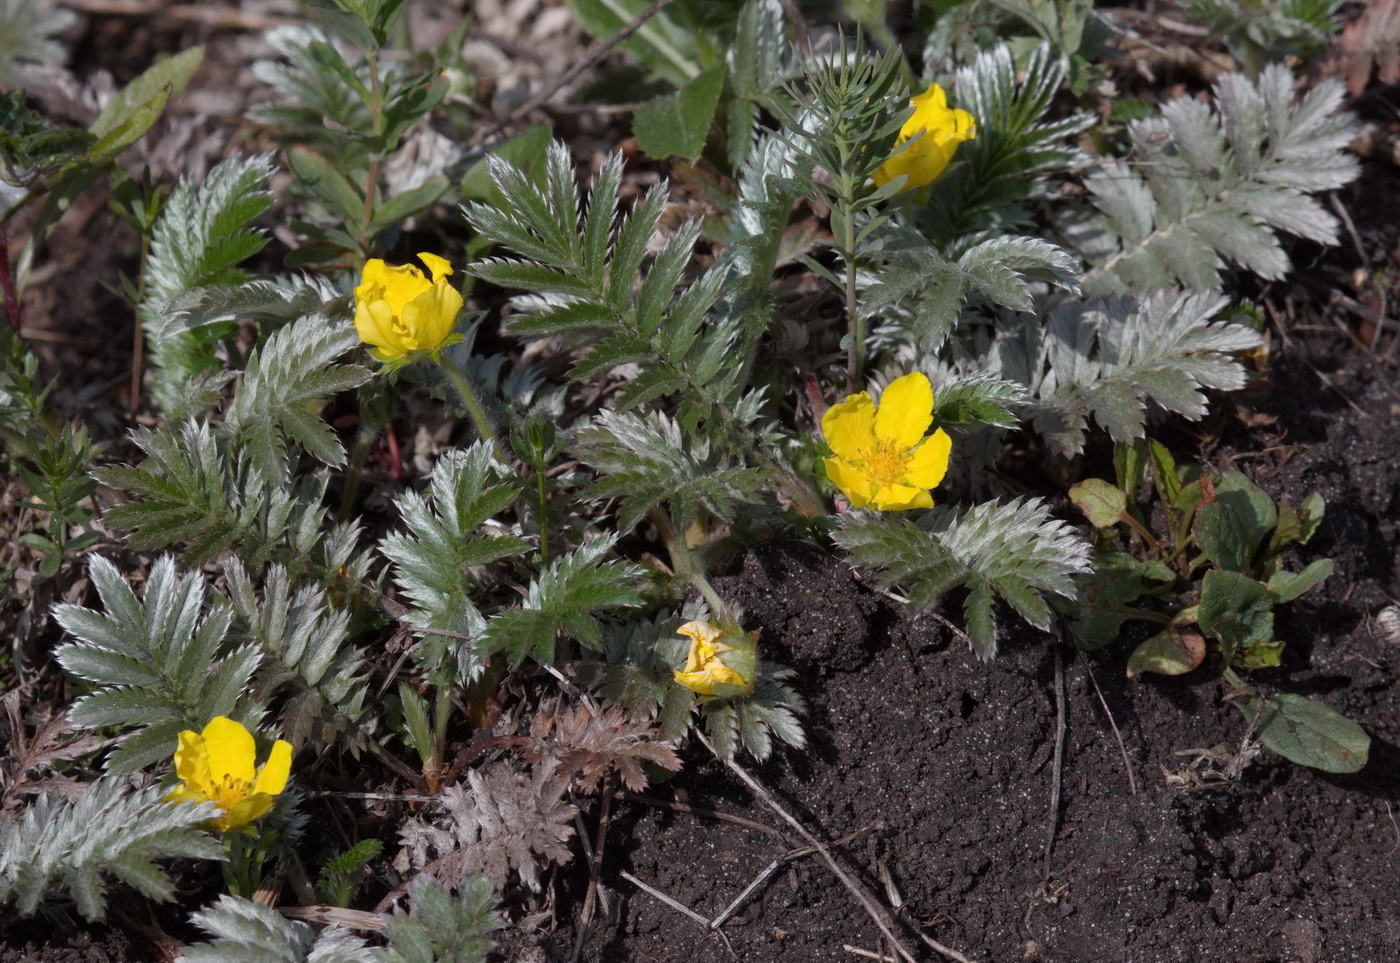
944, 765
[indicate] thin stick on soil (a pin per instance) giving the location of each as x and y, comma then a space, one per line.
595, 866
769, 870
1127, 763
857, 951
678, 907
681, 807
877, 912
1380, 320
600, 50
1057, 775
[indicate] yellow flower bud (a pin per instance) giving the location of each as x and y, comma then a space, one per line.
218, 766
399, 312
720, 663
936, 133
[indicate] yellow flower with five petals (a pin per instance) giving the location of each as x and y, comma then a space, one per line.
399, 312
881, 457
938, 130
714, 667
218, 765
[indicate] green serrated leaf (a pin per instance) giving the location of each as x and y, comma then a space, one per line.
678, 124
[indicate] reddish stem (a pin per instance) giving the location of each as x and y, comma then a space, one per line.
7, 284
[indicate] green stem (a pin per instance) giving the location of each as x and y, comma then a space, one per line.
376, 106
138, 348
475, 409
358, 456
683, 561
542, 491
442, 714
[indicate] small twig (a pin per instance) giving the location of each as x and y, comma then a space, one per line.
801, 37
590, 60
876, 912
742, 898
681, 807
772, 868
371, 796
477, 747
393, 896
677, 906
335, 916
857, 951
1127, 763
950, 626
7, 284
595, 866
1061, 725
1394, 827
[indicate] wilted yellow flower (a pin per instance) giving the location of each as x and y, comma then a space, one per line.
398, 311
939, 132
218, 766
881, 458
714, 667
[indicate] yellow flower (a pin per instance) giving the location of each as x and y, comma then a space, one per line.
881, 458
939, 132
398, 311
713, 667
217, 765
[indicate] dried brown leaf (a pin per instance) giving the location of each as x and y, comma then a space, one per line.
588, 744
502, 821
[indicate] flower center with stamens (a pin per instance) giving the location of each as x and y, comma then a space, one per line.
887, 467
230, 791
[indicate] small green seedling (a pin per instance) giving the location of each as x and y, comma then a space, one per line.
1215, 572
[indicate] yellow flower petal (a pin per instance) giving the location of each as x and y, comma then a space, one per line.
402, 283
700, 631
849, 428
375, 272
930, 461
231, 750
245, 811
272, 777
927, 141
192, 763
374, 323
899, 498
928, 109
855, 483
438, 267
431, 316
906, 411
184, 794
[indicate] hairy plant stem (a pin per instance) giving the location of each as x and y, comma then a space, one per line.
542, 493
376, 94
855, 321
683, 561
138, 346
484, 429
